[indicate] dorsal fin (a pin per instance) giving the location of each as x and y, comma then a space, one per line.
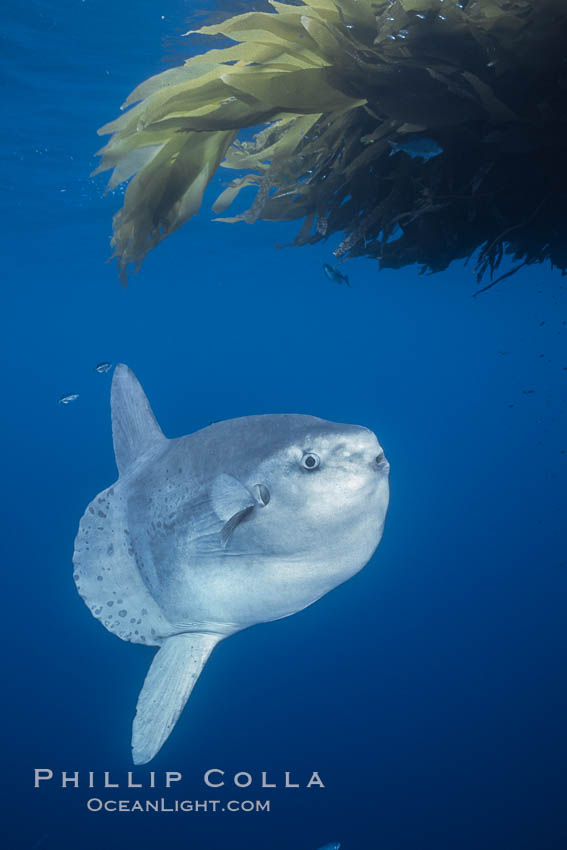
134, 426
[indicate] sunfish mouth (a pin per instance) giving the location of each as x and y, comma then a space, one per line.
364, 443
381, 462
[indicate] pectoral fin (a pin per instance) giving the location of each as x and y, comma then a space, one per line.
230, 497
233, 502
167, 687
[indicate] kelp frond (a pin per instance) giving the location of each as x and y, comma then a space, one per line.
342, 89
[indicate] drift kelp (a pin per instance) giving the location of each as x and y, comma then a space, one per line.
338, 86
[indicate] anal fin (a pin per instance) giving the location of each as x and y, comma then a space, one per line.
167, 687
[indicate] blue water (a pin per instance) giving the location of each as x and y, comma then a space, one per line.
429, 691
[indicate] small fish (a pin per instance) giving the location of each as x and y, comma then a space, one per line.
419, 147
67, 399
334, 845
101, 368
335, 275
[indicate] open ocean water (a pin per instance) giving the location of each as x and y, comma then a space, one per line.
429, 691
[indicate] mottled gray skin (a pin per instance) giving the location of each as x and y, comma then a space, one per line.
207, 534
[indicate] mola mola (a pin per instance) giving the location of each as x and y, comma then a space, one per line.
243, 522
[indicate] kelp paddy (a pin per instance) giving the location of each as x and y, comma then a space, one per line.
340, 91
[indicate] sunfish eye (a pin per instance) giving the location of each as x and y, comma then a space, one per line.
310, 460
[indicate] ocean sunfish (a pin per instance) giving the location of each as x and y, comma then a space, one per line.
246, 521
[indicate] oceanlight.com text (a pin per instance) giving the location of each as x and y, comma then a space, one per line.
95, 804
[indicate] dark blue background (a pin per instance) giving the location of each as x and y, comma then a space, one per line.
429, 691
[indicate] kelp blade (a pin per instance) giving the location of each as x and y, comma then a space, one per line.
344, 89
